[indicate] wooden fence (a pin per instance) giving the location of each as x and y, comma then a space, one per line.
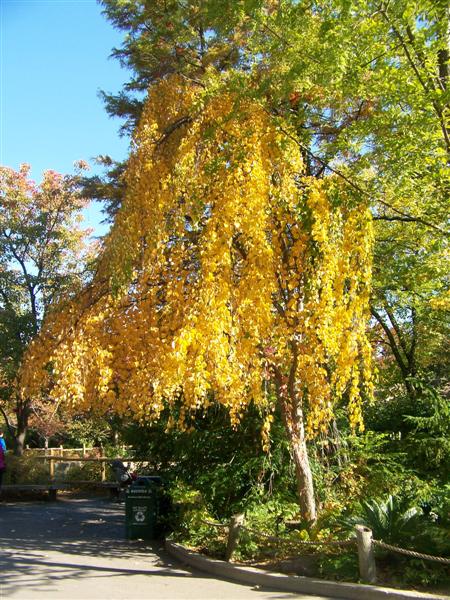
79, 456
63, 451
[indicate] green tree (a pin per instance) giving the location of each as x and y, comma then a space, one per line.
361, 87
367, 84
42, 257
364, 89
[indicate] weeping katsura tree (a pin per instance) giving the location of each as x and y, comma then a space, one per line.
229, 277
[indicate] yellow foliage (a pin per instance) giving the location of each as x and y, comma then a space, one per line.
226, 271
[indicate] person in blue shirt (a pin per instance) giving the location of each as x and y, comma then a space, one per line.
2, 458
2, 441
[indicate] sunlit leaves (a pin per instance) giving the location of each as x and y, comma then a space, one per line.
227, 272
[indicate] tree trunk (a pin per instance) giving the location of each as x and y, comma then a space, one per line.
404, 355
23, 412
294, 422
19, 442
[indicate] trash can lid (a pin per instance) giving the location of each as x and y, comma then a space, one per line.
147, 481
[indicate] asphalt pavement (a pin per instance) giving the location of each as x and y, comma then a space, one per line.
75, 549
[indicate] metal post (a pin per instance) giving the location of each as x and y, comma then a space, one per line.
366, 557
234, 532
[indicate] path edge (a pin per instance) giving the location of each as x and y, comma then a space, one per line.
291, 583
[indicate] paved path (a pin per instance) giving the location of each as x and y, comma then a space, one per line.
74, 549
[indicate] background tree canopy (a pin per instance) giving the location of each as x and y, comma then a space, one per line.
43, 254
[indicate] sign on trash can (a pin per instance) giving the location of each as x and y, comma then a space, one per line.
142, 508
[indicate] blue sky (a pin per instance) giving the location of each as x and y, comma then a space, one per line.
53, 61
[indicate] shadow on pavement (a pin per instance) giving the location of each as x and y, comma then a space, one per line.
88, 536
44, 546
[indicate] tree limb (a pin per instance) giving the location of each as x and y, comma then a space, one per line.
9, 425
173, 127
392, 342
358, 187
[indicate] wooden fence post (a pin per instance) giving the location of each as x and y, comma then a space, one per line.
366, 557
51, 465
234, 531
103, 463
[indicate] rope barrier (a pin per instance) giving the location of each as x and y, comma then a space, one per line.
350, 542
212, 524
273, 538
412, 553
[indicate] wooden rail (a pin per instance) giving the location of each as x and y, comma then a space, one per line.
103, 460
55, 486
62, 450
50, 488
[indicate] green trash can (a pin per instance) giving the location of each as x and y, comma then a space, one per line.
142, 508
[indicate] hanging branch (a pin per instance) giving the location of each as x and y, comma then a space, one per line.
404, 216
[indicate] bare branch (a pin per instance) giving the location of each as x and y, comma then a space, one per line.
173, 127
